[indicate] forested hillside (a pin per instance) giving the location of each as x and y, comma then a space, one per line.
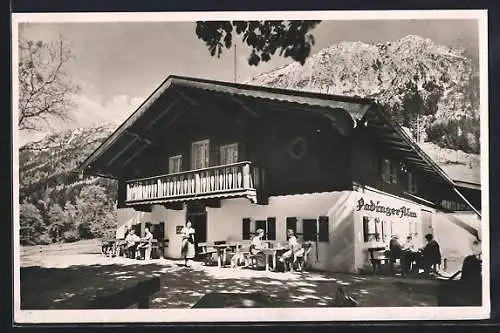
55, 204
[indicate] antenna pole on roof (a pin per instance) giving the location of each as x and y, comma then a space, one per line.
235, 70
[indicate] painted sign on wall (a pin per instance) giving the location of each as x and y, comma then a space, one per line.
376, 206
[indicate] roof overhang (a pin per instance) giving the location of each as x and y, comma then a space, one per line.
177, 95
468, 185
400, 144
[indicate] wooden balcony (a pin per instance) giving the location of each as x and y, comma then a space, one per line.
242, 179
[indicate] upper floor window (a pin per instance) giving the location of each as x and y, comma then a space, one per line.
229, 153
389, 171
453, 205
412, 184
175, 164
200, 154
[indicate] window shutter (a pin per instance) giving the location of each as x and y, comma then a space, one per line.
246, 229
223, 155
234, 152
385, 170
212, 156
382, 232
122, 194
291, 223
366, 220
137, 229
309, 229
323, 228
394, 173
271, 228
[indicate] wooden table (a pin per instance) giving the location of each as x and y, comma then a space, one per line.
153, 242
222, 252
274, 253
376, 262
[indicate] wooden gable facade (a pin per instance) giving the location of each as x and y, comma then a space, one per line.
202, 140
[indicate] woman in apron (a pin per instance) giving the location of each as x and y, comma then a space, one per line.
187, 249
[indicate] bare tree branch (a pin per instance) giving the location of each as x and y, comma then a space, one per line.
45, 88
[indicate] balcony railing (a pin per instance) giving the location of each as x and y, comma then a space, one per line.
239, 179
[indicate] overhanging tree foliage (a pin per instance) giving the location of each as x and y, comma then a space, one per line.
288, 38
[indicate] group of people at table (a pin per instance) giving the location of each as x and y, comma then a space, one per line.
413, 258
257, 249
133, 245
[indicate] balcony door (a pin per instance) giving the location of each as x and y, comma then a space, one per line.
199, 154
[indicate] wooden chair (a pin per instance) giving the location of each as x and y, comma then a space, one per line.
251, 259
464, 291
149, 249
379, 260
206, 252
107, 247
300, 260
241, 255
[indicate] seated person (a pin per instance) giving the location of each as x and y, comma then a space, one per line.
131, 246
257, 245
409, 254
395, 250
431, 254
295, 248
148, 237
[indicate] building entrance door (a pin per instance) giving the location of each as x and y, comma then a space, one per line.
197, 214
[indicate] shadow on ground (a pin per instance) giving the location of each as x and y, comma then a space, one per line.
74, 286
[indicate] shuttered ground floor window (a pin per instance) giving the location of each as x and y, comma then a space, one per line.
381, 229
309, 230
251, 226
316, 229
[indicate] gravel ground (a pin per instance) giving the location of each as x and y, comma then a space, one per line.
69, 276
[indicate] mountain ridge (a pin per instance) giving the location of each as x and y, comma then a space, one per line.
441, 79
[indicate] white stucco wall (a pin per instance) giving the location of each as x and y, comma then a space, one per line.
346, 250
454, 241
225, 223
400, 225
129, 217
172, 218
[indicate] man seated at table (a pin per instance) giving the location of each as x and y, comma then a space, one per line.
131, 247
295, 249
395, 251
146, 244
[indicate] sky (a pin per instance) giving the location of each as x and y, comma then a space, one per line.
119, 64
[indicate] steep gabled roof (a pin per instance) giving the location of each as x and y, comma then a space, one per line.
182, 93
179, 93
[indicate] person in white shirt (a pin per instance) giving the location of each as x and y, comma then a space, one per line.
257, 246
132, 239
294, 248
409, 254
146, 245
